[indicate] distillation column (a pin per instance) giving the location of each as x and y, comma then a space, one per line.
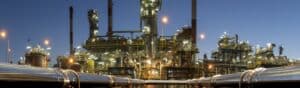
149, 9
93, 21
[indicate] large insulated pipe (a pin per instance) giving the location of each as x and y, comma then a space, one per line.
280, 77
287, 77
230, 81
110, 18
17, 76
22, 76
194, 21
71, 30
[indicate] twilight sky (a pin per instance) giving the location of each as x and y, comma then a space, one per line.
259, 21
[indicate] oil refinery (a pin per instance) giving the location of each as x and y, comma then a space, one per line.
150, 60
149, 56
153, 56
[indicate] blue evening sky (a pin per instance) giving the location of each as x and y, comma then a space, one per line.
259, 21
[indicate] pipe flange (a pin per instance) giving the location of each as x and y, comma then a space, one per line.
112, 80
77, 84
66, 80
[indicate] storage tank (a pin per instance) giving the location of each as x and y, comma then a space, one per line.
37, 57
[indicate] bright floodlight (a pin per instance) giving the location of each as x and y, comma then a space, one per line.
46, 42
78, 47
165, 20
3, 34
28, 47
9, 49
148, 61
202, 36
71, 60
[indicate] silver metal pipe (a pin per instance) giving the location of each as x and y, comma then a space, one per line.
287, 77
257, 78
20, 76
25, 76
167, 82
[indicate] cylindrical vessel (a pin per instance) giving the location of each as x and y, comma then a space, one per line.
279, 77
37, 57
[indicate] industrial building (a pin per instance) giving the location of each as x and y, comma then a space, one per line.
234, 55
153, 56
149, 56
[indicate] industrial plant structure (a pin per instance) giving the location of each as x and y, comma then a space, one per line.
149, 56
234, 55
151, 60
153, 56
36, 56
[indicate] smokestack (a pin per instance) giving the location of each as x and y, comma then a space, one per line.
236, 39
110, 18
71, 30
194, 21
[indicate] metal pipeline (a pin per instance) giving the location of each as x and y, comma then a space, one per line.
166, 82
21, 76
257, 78
25, 76
277, 77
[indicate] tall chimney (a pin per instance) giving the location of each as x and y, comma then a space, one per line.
194, 21
110, 18
71, 30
